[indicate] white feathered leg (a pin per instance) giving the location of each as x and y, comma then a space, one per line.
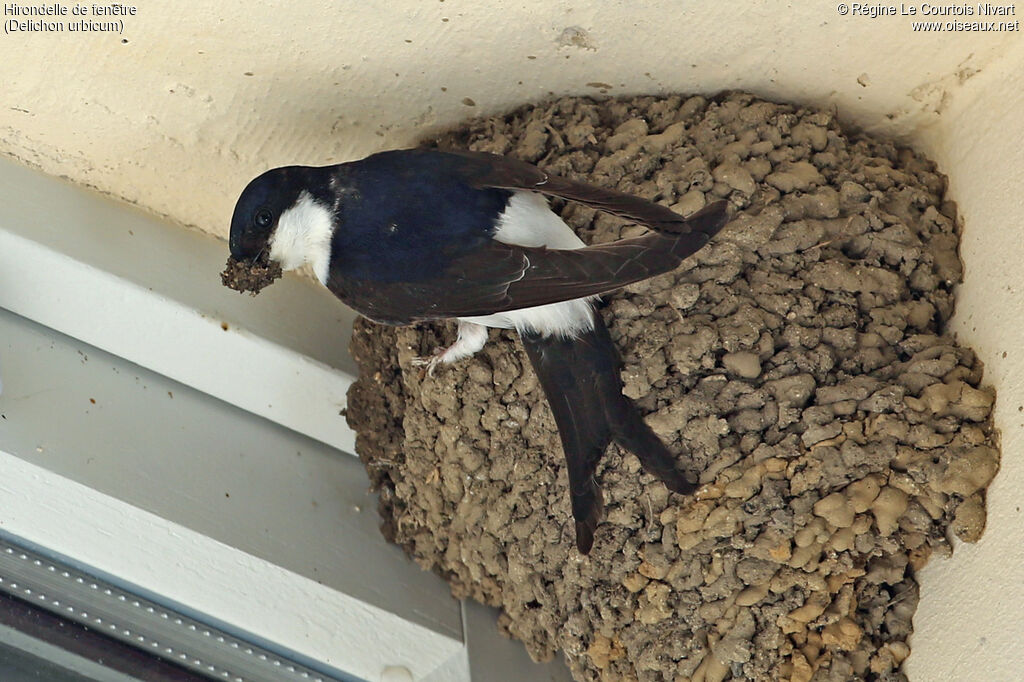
472, 338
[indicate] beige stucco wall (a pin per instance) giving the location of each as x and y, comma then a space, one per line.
203, 96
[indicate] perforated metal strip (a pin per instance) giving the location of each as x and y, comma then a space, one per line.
105, 608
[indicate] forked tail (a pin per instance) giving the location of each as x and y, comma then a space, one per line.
580, 378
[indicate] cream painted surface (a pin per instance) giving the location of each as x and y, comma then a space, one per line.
969, 624
172, 120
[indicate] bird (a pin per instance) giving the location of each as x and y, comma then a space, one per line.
412, 235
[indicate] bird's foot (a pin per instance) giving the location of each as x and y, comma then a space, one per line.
472, 338
430, 362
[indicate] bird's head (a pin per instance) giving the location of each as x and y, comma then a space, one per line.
258, 213
279, 224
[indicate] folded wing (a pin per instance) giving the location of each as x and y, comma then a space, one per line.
499, 277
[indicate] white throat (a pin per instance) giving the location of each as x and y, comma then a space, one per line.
303, 235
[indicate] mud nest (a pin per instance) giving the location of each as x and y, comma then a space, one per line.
801, 359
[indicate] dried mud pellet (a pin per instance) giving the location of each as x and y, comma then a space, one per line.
843, 634
250, 276
743, 364
887, 508
862, 493
969, 519
836, 509
752, 595
970, 472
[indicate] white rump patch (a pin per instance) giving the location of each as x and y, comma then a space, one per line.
529, 221
567, 319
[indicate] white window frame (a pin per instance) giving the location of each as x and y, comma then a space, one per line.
144, 297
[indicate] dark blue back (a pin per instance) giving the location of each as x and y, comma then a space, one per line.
406, 214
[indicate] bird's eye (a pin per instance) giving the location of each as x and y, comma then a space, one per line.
263, 218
